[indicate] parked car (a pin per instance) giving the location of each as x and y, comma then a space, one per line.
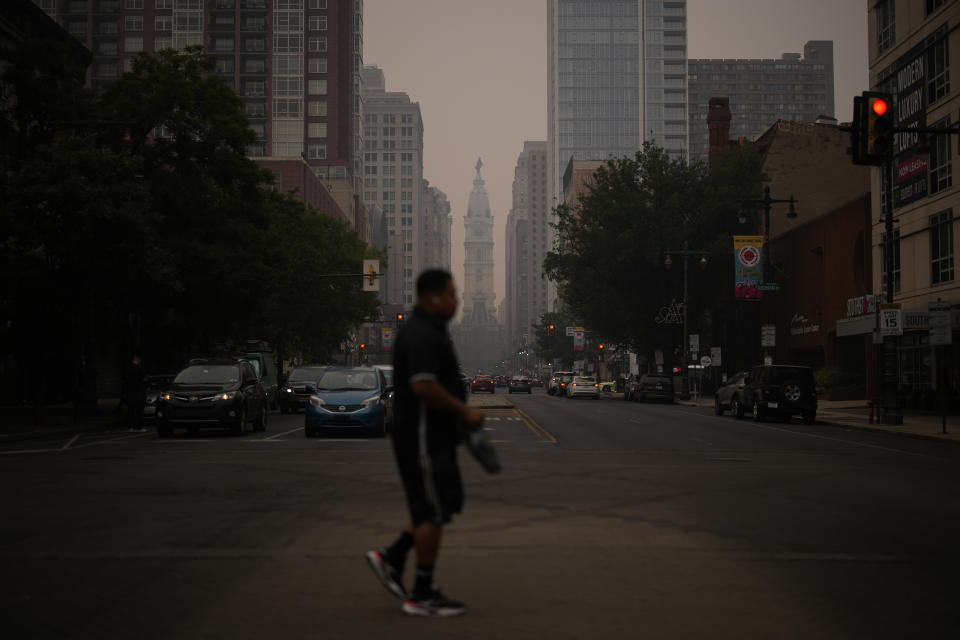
264, 364
501, 381
583, 386
654, 386
557, 386
520, 383
730, 396
298, 388
213, 393
349, 399
782, 390
482, 383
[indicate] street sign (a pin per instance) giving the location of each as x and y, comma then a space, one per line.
694, 342
715, 356
768, 335
569, 332
941, 333
891, 322
705, 361
769, 286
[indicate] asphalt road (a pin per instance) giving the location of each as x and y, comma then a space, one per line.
610, 520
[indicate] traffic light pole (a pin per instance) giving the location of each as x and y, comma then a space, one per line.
891, 384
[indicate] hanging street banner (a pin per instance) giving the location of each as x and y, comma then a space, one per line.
748, 267
386, 339
578, 340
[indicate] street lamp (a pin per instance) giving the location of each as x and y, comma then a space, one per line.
766, 201
668, 263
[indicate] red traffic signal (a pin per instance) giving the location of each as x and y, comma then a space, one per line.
880, 106
872, 130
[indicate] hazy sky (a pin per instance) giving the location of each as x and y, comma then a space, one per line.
478, 69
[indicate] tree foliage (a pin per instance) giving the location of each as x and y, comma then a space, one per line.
612, 244
134, 221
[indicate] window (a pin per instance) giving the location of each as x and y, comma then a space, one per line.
133, 4
941, 247
318, 23
941, 173
164, 4
318, 65
938, 66
223, 44
317, 130
288, 86
224, 65
133, 23
318, 87
132, 44
886, 25
895, 254
317, 108
287, 43
254, 65
318, 44
318, 4
77, 28
255, 88
107, 48
286, 21
162, 42
109, 28
255, 109
254, 44
287, 108
317, 151
933, 5
163, 23
288, 65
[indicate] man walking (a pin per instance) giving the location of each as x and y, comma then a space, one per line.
429, 402
135, 394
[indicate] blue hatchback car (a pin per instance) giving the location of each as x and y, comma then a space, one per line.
349, 399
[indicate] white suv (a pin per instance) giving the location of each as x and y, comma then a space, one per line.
553, 387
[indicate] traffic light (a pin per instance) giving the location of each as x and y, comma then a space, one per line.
601, 347
872, 128
363, 350
399, 317
551, 329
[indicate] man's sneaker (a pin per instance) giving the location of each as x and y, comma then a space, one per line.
433, 604
386, 572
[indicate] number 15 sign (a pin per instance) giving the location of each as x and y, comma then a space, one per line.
891, 322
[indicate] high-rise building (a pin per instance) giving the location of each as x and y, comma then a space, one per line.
436, 226
295, 64
617, 76
479, 304
393, 179
760, 92
527, 234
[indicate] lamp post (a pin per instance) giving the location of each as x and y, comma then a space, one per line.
766, 202
686, 252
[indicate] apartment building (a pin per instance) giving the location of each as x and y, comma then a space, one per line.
527, 234
913, 48
294, 63
761, 91
393, 179
437, 227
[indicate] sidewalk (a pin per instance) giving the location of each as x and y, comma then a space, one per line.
18, 422
856, 414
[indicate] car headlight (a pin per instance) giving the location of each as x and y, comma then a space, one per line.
288, 390
167, 396
229, 395
317, 401
371, 402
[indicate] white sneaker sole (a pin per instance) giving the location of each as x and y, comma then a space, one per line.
413, 609
389, 584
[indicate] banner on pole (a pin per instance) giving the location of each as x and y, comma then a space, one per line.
386, 339
578, 340
748, 267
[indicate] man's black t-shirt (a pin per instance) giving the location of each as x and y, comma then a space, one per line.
423, 351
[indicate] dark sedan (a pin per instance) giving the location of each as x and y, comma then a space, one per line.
215, 393
520, 384
300, 384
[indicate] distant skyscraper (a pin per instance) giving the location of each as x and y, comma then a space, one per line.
393, 179
527, 236
295, 64
761, 92
617, 76
479, 304
436, 226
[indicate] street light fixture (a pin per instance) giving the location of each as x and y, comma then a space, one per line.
766, 201
686, 252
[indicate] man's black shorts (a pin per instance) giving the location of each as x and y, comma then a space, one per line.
432, 484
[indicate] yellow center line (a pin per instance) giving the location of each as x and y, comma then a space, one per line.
533, 426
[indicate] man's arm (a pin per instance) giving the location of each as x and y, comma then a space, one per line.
434, 395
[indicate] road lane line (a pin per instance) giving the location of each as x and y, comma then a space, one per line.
533, 426
811, 435
72, 440
278, 435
